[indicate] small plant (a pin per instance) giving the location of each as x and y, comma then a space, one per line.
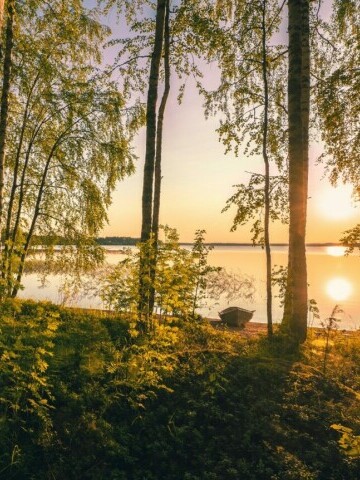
348, 442
279, 276
314, 312
329, 325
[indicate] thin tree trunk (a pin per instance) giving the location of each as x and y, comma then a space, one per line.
305, 93
22, 180
15, 228
6, 264
297, 273
25, 248
158, 157
160, 123
29, 236
4, 108
1, 24
147, 195
267, 175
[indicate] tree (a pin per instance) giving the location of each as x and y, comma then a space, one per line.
149, 167
295, 312
336, 94
160, 125
2, 2
68, 138
147, 268
140, 64
184, 281
5, 92
251, 100
158, 153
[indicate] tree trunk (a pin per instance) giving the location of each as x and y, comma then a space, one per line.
1, 24
4, 107
160, 123
26, 246
305, 94
9, 246
267, 174
147, 196
158, 157
298, 153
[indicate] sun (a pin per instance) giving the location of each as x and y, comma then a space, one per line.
339, 288
335, 203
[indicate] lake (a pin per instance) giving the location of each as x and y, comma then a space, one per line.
333, 280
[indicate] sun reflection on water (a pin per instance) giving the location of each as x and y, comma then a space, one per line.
336, 251
339, 288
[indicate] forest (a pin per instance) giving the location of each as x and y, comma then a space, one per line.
147, 387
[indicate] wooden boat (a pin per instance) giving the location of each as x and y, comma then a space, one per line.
236, 316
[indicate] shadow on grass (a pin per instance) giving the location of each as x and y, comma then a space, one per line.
191, 403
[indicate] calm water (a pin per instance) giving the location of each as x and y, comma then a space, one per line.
333, 280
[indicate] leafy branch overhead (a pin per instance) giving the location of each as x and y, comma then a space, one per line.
69, 137
249, 203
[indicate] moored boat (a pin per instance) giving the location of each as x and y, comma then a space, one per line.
236, 316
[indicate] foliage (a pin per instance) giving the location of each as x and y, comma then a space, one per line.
337, 92
26, 348
250, 204
351, 239
189, 402
330, 324
349, 442
68, 142
184, 279
134, 51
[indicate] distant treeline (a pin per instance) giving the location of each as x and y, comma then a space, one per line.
42, 240
52, 240
117, 240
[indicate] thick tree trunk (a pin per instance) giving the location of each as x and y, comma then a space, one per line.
267, 175
147, 196
158, 157
4, 106
298, 145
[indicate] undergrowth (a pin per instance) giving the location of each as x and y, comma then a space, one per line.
83, 396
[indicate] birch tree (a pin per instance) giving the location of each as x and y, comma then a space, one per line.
337, 94
68, 142
5, 93
144, 64
250, 101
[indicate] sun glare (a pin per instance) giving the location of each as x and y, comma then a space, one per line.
339, 288
336, 251
336, 203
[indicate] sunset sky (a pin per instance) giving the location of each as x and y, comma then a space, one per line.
198, 178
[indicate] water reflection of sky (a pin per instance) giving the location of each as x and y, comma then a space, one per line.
334, 279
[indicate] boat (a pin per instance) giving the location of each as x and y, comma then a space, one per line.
236, 316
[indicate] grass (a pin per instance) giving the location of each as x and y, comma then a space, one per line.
189, 403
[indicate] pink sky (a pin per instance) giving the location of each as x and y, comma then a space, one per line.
198, 179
